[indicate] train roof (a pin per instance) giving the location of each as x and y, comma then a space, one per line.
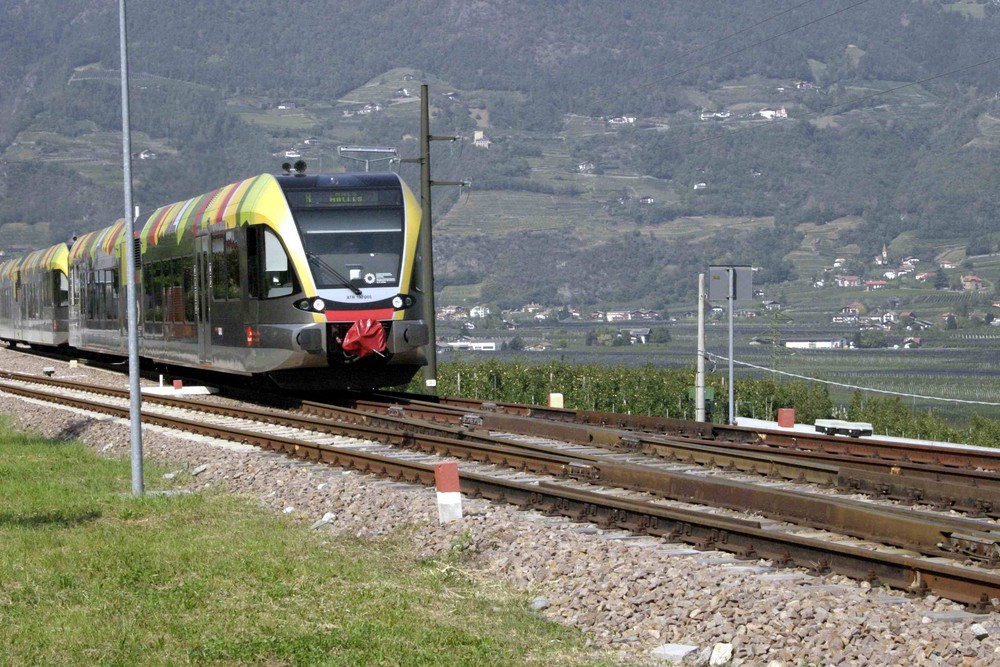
55, 257
101, 239
250, 201
46, 259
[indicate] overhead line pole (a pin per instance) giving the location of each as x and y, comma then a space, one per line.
699, 378
129, 248
426, 245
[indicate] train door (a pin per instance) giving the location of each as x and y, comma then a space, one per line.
19, 306
203, 296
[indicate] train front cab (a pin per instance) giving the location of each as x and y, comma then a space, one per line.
355, 251
226, 285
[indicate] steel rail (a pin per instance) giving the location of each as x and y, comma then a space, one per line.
742, 537
947, 456
975, 492
928, 534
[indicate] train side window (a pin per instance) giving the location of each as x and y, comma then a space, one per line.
219, 290
113, 284
62, 291
110, 299
97, 292
225, 266
186, 268
232, 265
270, 272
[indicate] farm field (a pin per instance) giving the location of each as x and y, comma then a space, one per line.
957, 367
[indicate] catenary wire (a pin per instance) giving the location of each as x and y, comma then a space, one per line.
731, 35
848, 386
763, 41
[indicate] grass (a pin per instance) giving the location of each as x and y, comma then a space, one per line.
92, 575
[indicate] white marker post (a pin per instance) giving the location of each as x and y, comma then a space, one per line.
449, 494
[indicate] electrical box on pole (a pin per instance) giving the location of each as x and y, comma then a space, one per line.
730, 282
734, 284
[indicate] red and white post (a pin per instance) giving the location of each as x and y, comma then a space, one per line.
449, 495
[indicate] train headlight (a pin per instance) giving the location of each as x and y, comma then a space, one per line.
311, 305
397, 302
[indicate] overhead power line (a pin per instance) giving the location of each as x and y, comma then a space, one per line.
849, 386
913, 83
763, 41
736, 34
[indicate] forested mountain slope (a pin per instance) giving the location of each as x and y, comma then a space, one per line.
892, 119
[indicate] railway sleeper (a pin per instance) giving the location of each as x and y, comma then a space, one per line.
939, 492
984, 551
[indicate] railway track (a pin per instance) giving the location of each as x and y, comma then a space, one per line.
962, 479
916, 552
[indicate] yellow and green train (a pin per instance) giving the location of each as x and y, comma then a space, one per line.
307, 280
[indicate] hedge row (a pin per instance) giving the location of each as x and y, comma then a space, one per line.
667, 393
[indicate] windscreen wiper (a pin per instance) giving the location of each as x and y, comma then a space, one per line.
323, 266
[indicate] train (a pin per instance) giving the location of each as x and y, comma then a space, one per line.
310, 282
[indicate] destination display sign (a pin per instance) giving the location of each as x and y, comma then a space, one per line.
340, 198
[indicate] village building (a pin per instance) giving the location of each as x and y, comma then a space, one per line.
480, 140
473, 345
972, 283
883, 258
831, 344
773, 114
635, 336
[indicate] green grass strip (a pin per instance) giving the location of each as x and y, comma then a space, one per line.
92, 575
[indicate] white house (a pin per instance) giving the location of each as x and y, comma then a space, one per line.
474, 345
835, 344
773, 114
480, 140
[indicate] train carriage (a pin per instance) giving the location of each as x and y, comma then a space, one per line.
34, 298
310, 281
270, 274
97, 315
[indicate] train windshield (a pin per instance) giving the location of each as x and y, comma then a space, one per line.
352, 247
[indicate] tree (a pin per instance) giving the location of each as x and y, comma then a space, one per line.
870, 338
660, 335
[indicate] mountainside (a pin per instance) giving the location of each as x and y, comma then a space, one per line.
629, 144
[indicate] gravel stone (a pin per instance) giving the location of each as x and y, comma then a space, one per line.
634, 599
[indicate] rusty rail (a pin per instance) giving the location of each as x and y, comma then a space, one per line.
742, 537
